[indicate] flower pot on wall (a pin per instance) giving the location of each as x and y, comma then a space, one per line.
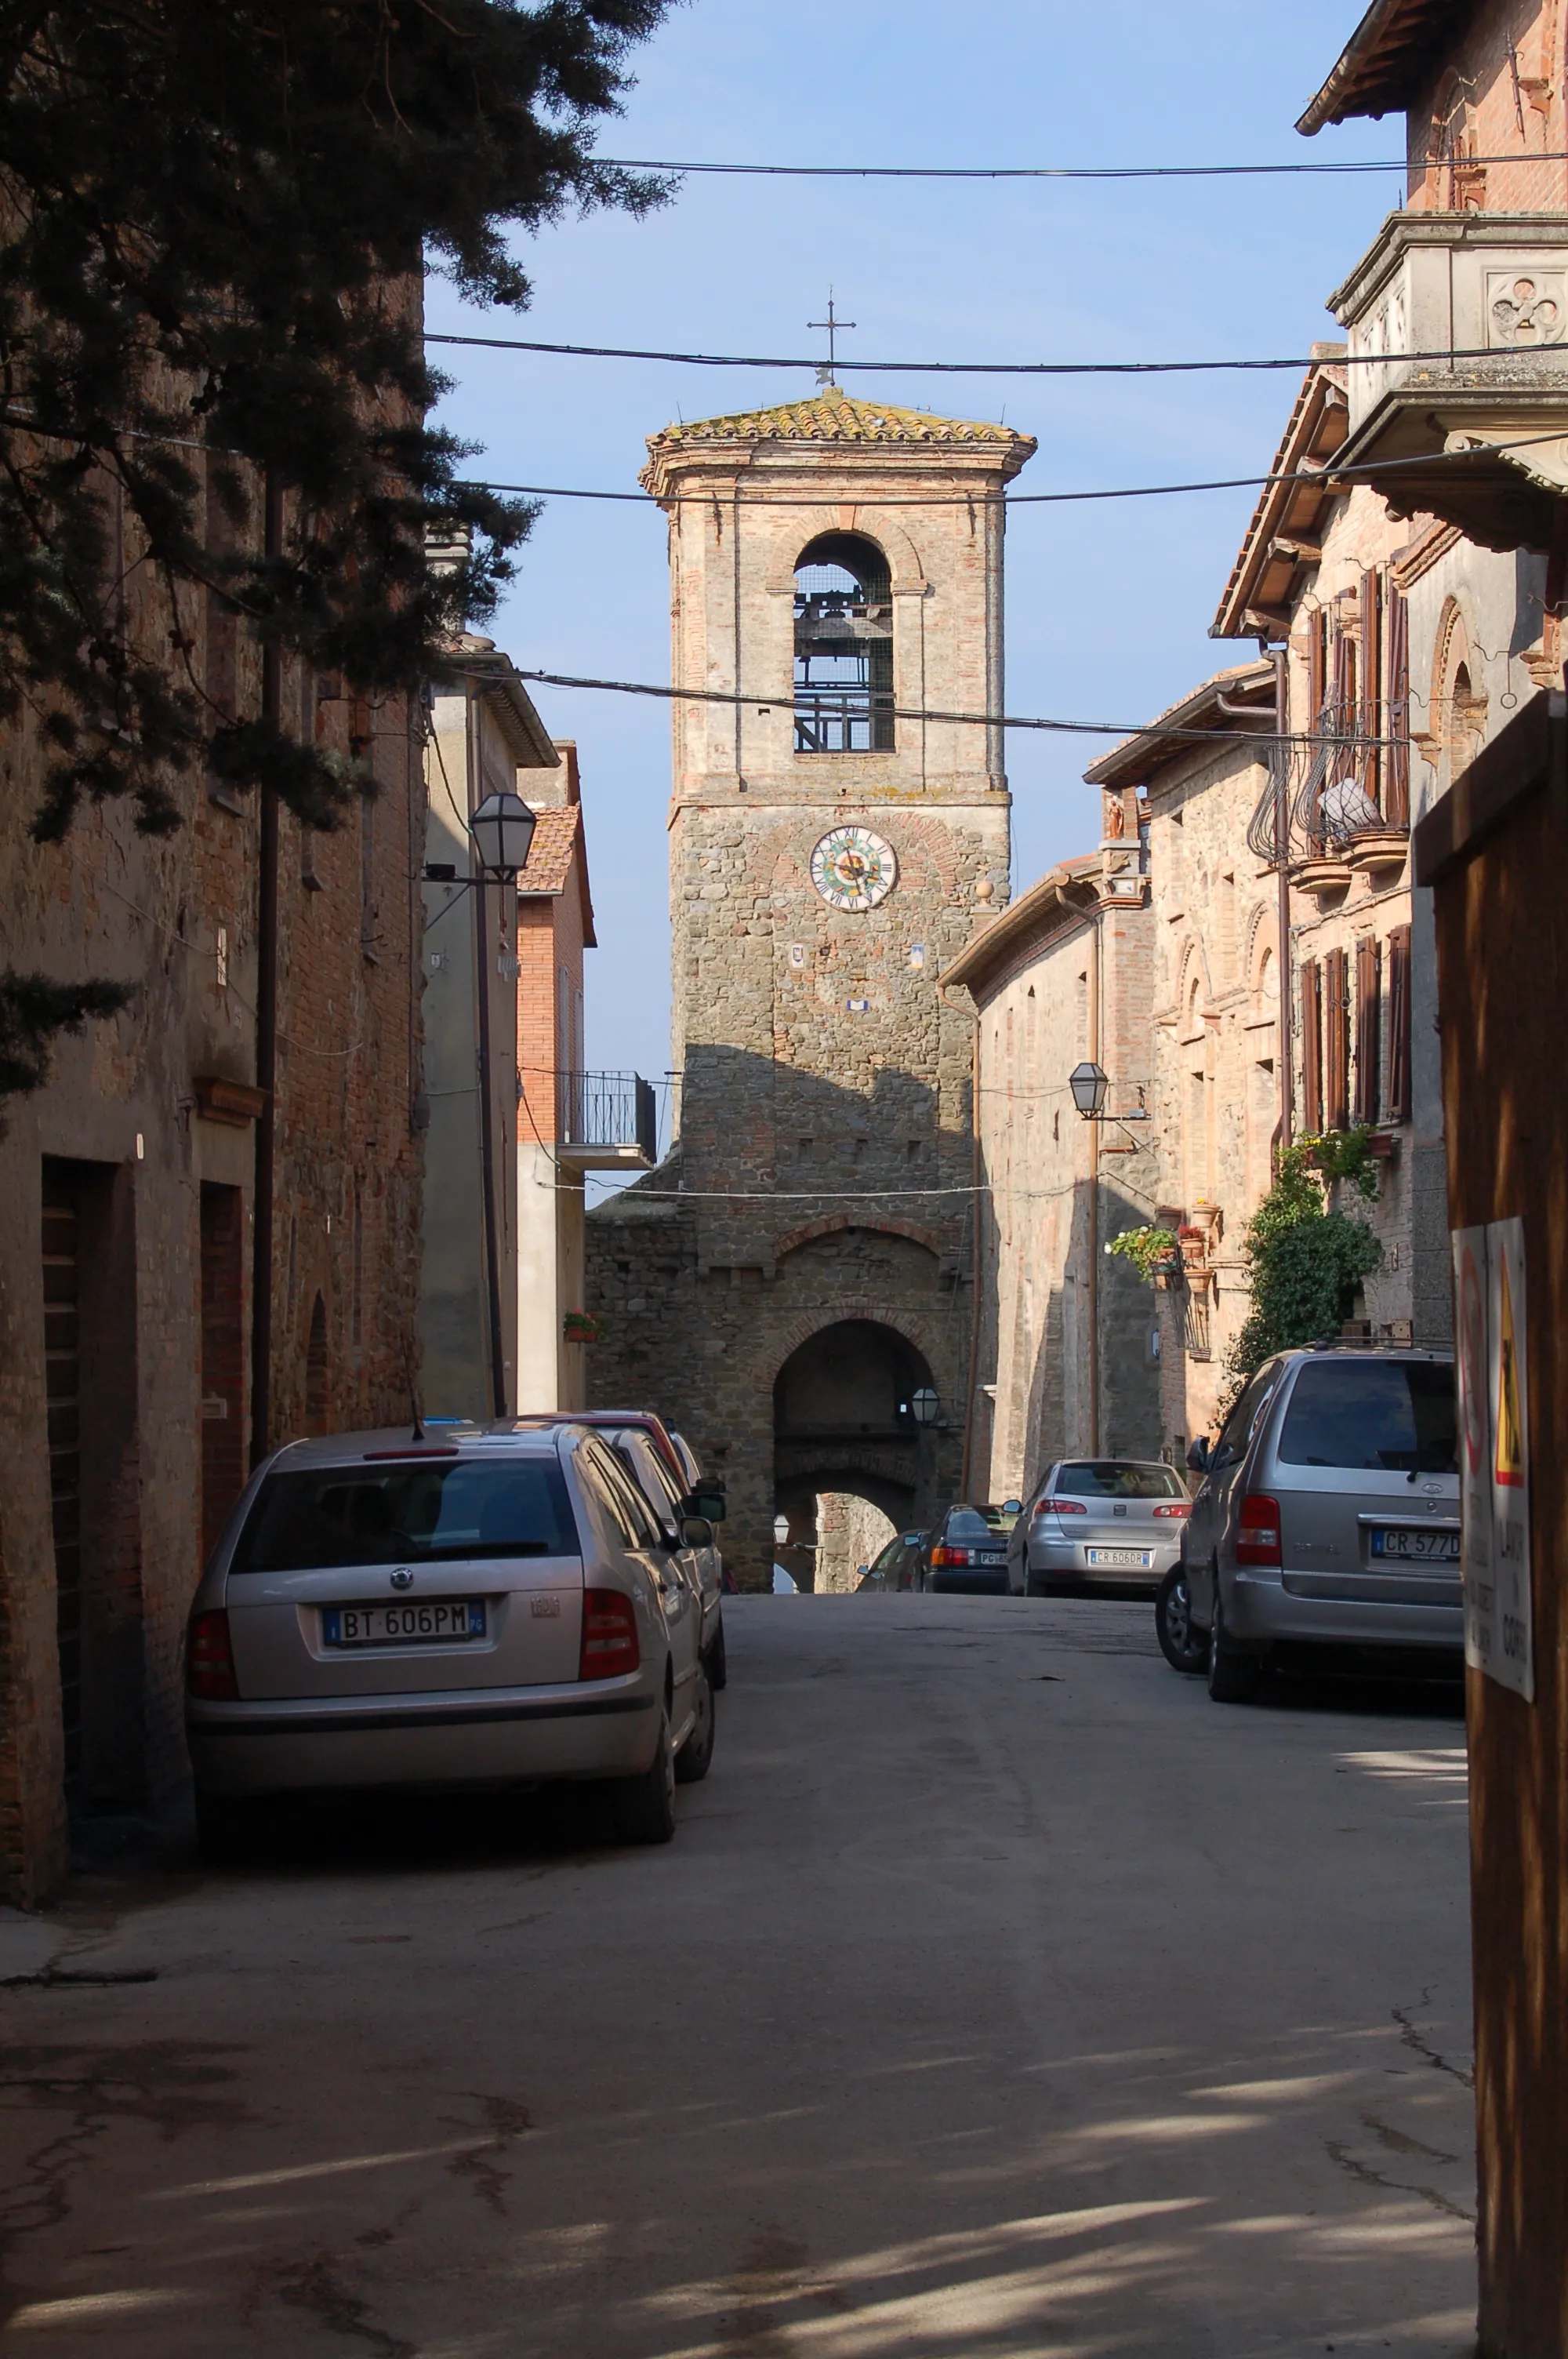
580, 1327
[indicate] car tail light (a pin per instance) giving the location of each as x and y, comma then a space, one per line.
1176, 1508
608, 1635
951, 1556
1067, 1507
1257, 1530
210, 1659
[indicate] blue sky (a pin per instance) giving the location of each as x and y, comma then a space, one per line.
1108, 606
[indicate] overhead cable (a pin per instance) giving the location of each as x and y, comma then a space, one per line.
1348, 740
1321, 474
1070, 171
963, 368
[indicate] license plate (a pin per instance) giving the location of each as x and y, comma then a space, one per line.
1397, 1540
403, 1625
983, 1557
1139, 1558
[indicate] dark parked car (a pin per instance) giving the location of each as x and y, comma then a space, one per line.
894, 1566
1329, 1513
967, 1553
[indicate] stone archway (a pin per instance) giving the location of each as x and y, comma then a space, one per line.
844, 1430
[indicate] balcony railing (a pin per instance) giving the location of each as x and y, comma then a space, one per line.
606, 1121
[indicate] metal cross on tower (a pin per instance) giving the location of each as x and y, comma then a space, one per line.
825, 368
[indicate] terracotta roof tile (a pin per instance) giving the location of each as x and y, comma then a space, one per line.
831, 416
556, 839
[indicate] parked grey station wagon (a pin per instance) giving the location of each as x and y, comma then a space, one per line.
1329, 1513
493, 1608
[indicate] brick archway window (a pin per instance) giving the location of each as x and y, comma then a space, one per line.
843, 647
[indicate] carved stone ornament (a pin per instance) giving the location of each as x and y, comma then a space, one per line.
1526, 309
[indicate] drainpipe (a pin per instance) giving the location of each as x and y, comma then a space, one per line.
263, 1207
1282, 841
973, 1392
486, 1080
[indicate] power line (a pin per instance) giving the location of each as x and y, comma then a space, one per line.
1023, 499
1063, 171
966, 368
1348, 740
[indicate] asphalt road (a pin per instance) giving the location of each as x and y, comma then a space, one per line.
999, 1996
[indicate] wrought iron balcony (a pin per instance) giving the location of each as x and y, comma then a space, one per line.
606, 1122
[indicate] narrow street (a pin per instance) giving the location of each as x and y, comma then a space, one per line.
998, 1995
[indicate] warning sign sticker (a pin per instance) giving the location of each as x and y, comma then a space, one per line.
1494, 1426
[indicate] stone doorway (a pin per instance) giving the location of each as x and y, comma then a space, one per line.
850, 1464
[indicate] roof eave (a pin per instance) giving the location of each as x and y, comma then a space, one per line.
1383, 63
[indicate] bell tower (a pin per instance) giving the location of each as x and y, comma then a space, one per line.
834, 838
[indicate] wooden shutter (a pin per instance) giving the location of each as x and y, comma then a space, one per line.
1312, 1046
1317, 667
1337, 1040
1397, 766
1400, 1024
1368, 1028
1371, 767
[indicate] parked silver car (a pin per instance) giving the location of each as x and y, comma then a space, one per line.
493, 1608
1329, 1512
1098, 1520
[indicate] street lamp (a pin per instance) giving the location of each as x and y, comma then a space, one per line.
781, 1531
925, 1406
503, 830
1089, 1084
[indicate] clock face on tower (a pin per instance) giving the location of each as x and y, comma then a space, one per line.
854, 869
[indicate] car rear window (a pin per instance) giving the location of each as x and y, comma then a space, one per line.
411, 1514
979, 1523
1114, 1478
1394, 1416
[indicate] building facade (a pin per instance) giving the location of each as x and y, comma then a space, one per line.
837, 564
135, 1386
1470, 446
484, 738
1068, 1346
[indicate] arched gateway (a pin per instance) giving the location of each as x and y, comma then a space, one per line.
808, 1241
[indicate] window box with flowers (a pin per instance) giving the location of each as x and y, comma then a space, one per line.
581, 1327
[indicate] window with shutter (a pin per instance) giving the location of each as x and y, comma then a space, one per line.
1337, 1040
1371, 767
1368, 1029
1400, 1024
1397, 770
1312, 1046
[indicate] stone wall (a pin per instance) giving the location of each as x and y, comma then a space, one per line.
130, 1120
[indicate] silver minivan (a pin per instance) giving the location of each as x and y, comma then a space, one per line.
496, 1607
1328, 1513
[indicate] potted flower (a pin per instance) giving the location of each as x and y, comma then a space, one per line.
581, 1327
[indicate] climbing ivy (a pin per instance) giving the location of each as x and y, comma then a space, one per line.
1305, 1260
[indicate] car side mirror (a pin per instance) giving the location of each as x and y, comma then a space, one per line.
707, 1500
1012, 1506
696, 1532
1199, 1455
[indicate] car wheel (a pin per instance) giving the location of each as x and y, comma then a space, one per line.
1185, 1648
717, 1663
644, 1806
227, 1830
696, 1756
1233, 1677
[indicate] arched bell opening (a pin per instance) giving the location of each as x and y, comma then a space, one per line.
843, 647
